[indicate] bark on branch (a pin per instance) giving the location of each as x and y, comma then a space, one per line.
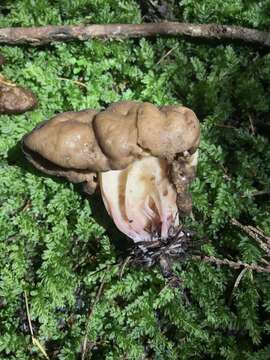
53, 33
232, 264
262, 240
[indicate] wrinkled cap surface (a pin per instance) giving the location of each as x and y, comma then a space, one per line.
167, 131
68, 140
116, 129
114, 138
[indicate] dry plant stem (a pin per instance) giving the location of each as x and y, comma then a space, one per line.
48, 34
258, 193
231, 264
261, 233
251, 124
237, 282
262, 192
256, 234
265, 262
28, 314
239, 277
6, 82
35, 341
123, 267
84, 345
74, 81
167, 54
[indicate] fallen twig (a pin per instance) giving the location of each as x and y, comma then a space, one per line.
262, 192
74, 81
167, 54
256, 234
52, 33
257, 193
232, 264
261, 233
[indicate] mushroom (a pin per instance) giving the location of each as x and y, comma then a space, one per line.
142, 157
14, 99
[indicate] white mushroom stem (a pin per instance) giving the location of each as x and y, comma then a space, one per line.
140, 198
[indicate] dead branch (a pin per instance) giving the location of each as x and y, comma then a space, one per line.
52, 33
232, 264
256, 234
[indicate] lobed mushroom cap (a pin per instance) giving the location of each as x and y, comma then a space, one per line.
68, 140
74, 144
167, 131
116, 129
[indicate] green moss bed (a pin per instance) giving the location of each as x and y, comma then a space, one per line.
54, 239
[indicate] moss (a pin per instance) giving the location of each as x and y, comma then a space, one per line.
53, 239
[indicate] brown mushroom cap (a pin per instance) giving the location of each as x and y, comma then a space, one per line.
167, 131
15, 99
75, 176
68, 140
116, 129
81, 144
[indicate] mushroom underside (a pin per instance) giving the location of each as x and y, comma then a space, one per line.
140, 198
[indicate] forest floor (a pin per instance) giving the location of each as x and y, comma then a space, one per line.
54, 239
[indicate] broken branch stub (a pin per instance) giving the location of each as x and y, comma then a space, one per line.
141, 156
